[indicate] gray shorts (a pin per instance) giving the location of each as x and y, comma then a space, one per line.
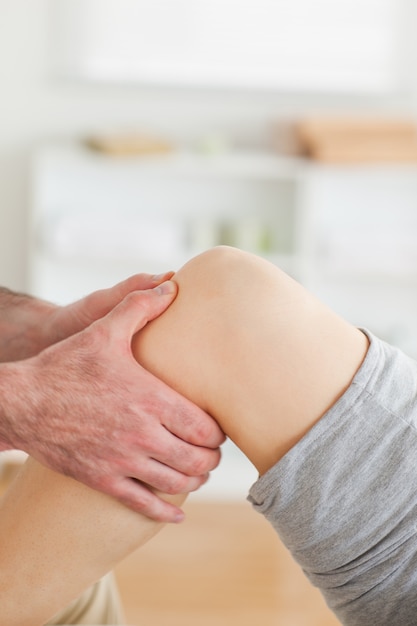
344, 499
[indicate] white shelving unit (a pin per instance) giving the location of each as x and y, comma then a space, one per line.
347, 233
115, 216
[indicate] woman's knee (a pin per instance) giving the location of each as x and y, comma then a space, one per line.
227, 301
213, 272
183, 344
227, 283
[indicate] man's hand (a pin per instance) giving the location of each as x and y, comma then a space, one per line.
84, 407
28, 324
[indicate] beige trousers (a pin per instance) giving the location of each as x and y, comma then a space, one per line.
100, 604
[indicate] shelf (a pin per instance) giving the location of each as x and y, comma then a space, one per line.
338, 229
234, 163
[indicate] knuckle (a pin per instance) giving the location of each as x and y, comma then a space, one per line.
142, 444
204, 429
201, 461
200, 464
141, 500
136, 497
103, 483
207, 432
142, 300
143, 303
95, 336
177, 484
135, 298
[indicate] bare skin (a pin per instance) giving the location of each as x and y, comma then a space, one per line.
104, 421
262, 355
61, 537
243, 341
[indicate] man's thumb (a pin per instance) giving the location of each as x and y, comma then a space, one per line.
140, 307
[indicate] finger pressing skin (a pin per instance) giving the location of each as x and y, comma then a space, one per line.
139, 282
84, 312
193, 425
180, 418
167, 480
141, 499
138, 308
185, 458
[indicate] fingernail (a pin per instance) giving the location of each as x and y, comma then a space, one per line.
158, 278
179, 518
167, 288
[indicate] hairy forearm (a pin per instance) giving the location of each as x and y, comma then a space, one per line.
22, 325
15, 404
9, 297
30, 402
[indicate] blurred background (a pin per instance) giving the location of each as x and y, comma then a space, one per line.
136, 133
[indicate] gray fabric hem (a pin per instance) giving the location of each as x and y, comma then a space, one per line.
344, 499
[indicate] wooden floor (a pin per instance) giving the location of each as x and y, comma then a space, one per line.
224, 566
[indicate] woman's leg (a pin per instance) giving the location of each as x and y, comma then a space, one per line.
58, 537
327, 414
253, 348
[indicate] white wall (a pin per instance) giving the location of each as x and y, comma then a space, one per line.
34, 108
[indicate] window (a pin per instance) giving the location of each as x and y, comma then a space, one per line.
319, 45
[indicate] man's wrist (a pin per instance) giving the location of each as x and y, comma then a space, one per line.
16, 405
23, 325
8, 381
